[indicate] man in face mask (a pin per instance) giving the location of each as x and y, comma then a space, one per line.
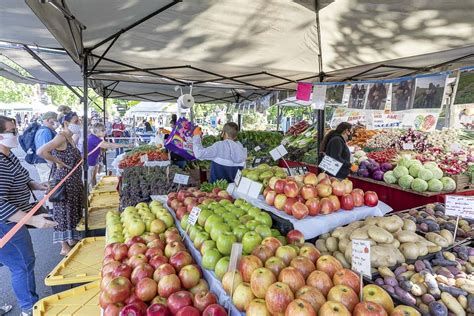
45, 134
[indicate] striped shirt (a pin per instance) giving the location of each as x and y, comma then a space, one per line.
14, 191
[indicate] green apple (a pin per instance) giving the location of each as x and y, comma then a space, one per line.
225, 202
129, 209
203, 216
263, 231
252, 224
203, 207
228, 216
239, 231
115, 238
238, 212
136, 228
239, 202
244, 219
275, 232
233, 222
212, 221
264, 218
200, 238
250, 241
220, 210
206, 245
282, 239
246, 207
213, 205
224, 242
193, 231
210, 258
168, 219
219, 229
295, 247
253, 211
154, 203
184, 221
141, 204
221, 267
148, 222
114, 228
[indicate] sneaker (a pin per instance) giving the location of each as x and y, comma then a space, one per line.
27, 313
5, 309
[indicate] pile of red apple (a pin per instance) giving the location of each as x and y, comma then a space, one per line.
311, 195
150, 276
294, 279
183, 201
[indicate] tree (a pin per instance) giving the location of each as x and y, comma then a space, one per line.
11, 91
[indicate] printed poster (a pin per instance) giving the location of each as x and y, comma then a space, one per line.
465, 90
358, 95
377, 96
429, 92
402, 95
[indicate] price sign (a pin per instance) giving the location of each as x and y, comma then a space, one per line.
408, 146
330, 165
284, 142
455, 147
361, 257
244, 185
238, 177
235, 255
459, 205
278, 152
193, 216
254, 189
257, 148
257, 161
144, 158
181, 178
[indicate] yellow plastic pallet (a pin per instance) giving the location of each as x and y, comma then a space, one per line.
79, 301
81, 265
109, 180
104, 199
96, 219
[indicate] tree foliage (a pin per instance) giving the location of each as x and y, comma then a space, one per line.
11, 91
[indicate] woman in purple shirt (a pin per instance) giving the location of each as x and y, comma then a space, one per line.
96, 139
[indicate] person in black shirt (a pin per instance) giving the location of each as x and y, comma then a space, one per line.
334, 145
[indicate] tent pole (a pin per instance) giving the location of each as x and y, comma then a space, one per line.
278, 118
320, 113
104, 99
84, 148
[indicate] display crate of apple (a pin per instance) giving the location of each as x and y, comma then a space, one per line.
295, 279
154, 275
311, 195
263, 173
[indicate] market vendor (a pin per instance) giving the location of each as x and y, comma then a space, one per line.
226, 156
335, 146
176, 159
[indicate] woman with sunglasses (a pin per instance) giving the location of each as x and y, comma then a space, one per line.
15, 193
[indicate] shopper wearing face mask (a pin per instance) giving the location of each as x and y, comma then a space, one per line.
15, 191
334, 145
64, 155
46, 132
77, 135
118, 129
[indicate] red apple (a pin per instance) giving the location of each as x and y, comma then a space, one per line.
134, 240
174, 204
291, 189
146, 289
203, 299
275, 265
182, 194
242, 296
158, 310
137, 249
303, 265
168, 285
110, 267
173, 248
108, 259
333, 309
142, 271
312, 296
310, 178
156, 243
313, 206
180, 212
151, 252
188, 311
270, 198
113, 309
289, 205
321, 281
149, 237
347, 202
345, 295
347, 277
180, 259
157, 261
260, 280
310, 252
263, 252
347, 186
119, 251
172, 195
272, 243
122, 270
328, 264
247, 265
299, 210
118, 289
257, 307
178, 300
295, 237
162, 270
137, 260
172, 236
336, 204
372, 309
308, 192
104, 299
201, 286
105, 280
214, 310
324, 190
272, 182
280, 186
326, 206
371, 199
189, 276
358, 197
337, 188
286, 253
137, 308
266, 190
292, 277
280, 201
300, 307
278, 297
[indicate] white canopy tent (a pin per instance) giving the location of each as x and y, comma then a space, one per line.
152, 108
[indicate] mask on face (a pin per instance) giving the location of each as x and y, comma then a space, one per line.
56, 125
9, 140
75, 128
349, 137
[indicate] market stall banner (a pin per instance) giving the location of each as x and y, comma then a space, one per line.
465, 90
429, 92
423, 120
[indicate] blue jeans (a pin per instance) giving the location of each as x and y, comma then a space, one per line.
18, 255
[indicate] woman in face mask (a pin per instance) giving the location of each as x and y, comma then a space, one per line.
15, 192
77, 135
64, 155
334, 145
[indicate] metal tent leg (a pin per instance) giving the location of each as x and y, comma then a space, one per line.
84, 148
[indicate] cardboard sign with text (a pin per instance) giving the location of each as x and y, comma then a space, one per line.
361, 257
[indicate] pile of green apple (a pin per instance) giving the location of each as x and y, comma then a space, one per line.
138, 220
220, 224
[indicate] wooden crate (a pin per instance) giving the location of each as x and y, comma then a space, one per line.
463, 182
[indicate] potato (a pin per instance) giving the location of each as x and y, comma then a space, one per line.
355, 225
447, 235
321, 245
385, 272
452, 304
342, 245
406, 236
409, 225
339, 256
348, 253
380, 235
360, 233
331, 244
409, 250
371, 221
391, 224
342, 232
422, 249
396, 243
437, 239
324, 236
433, 249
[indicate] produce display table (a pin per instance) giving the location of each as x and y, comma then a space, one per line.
215, 285
313, 226
81, 265
296, 164
81, 300
400, 199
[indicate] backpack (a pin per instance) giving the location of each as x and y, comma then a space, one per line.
27, 142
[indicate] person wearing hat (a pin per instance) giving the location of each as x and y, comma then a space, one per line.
45, 134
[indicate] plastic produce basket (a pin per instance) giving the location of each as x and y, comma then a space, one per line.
104, 199
96, 219
79, 301
81, 265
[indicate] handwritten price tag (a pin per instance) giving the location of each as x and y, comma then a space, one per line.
193, 216
361, 257
330, 165
459, 205
278, 152
181, 178
235, 255
257, 148
408, 146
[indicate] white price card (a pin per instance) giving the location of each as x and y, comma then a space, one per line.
238, 177
361, 257
254, 189
408, 146
181, 178
235, 255
193, 216
455, 147
244, 186
459, 205
319, 97
144, 158
258, 161
257, 148
278, 152
330, 165
284, 141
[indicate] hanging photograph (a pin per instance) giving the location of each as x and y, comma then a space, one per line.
402, 94
358, 95
334, 94
465, 91
377, 96
429, 92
